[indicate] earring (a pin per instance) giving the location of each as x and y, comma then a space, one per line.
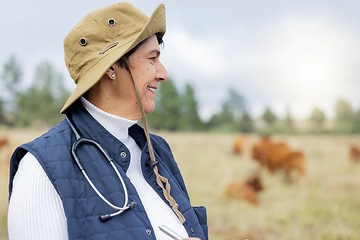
113, 75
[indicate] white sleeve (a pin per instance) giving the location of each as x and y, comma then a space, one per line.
35, 210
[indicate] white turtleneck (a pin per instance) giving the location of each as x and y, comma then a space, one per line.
36, 210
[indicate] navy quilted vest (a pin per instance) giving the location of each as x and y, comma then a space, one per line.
81, 204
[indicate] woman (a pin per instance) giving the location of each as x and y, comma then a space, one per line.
113, 56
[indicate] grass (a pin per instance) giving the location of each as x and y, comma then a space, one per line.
323, 205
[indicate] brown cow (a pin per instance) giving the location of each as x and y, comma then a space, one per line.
261, 150
354, 153
3, 142
269, 153
238, 144
5, 154
246, 190
294, 161
277, 156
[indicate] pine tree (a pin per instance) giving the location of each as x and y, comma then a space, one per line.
344, 116
356, 122
167, 108
41, 103
190, 119
289, 122
246, 123
233, 115
317, 118
269, 117
10, 88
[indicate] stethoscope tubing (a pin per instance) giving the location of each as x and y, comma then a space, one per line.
103, 198
80, 140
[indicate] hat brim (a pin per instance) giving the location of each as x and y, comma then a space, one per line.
155, 24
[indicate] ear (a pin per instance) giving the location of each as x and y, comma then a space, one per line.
111, 72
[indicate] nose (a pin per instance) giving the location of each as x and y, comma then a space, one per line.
161, 73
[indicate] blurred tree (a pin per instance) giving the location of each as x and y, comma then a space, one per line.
10, 85
190, 119
167, 110
2, 112
41, 103
269, 117
344, 116
246, 123
231, 113
234, 104
356, 122
317, 118
289, 125
226, 114
221, 121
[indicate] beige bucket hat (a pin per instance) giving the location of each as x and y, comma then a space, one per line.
103, 37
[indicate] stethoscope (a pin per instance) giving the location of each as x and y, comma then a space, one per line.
159, 179
81, 140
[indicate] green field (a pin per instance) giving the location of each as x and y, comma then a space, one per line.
323, 205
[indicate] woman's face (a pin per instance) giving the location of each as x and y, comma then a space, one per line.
147, 71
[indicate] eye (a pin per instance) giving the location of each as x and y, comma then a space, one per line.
153, 59
154, 56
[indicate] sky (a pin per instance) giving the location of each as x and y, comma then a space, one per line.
289, 55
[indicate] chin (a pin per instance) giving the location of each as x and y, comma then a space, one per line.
149, 109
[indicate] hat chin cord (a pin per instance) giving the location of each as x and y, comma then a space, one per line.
159, 179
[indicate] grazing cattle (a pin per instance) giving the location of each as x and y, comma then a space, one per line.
5, 153
354, 153
246, 190
294, 161
277, 156
238, 144
261, 150
3, 142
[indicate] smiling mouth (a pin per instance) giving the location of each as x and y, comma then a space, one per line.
151, 89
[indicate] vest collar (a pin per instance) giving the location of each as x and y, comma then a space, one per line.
88, 127
116, 125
